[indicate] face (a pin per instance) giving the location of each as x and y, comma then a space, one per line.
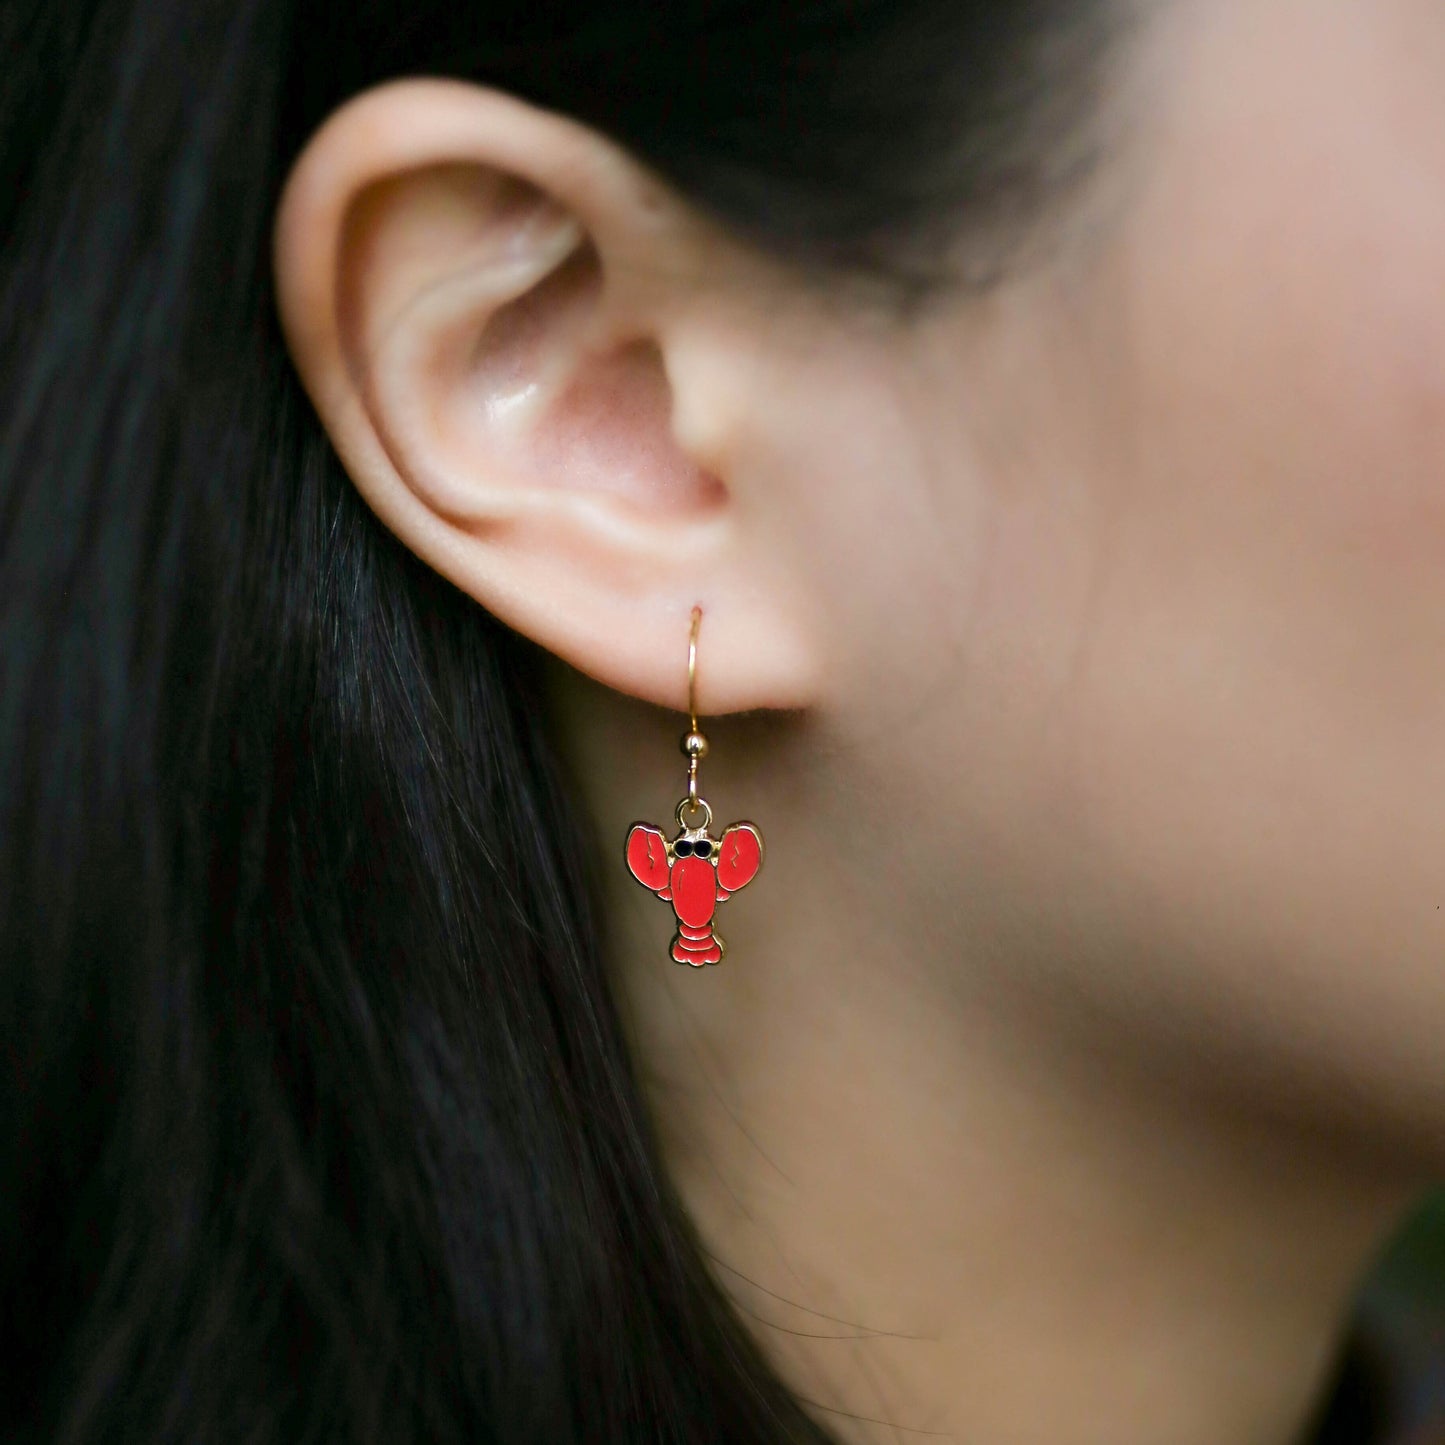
1137, 600
1111, 604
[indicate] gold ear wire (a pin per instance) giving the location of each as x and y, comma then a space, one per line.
692, 667
694, 744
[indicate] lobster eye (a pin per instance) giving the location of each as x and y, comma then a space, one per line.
683, 847
703, 848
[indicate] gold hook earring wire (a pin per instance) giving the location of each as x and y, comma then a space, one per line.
694, 745
692, 667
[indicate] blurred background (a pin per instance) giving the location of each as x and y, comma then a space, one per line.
1402, 1315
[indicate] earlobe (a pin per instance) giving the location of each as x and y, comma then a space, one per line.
470, 289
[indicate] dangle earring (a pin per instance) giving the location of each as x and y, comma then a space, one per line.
695, 871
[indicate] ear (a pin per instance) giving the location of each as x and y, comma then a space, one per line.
504, 325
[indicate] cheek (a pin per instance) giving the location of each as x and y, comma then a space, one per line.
1284, 358
1287, 466
1256, 741
1279, 294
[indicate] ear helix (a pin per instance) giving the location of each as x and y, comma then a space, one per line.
694, 872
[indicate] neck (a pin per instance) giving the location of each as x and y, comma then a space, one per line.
943, 1208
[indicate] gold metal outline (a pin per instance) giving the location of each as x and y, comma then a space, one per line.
694, 804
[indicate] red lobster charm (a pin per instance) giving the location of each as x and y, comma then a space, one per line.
695, 871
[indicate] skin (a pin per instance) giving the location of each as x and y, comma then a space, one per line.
1076, 649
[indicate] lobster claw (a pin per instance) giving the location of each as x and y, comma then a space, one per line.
740, 855
647, 856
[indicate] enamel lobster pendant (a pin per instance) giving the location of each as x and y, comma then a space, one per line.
695, 871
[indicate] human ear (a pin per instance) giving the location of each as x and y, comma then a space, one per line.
501, 321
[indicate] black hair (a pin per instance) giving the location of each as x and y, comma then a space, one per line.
316, 1120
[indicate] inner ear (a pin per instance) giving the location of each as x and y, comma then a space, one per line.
405, 234
507, 349
611, 431
475, 321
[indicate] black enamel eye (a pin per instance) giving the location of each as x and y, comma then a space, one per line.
683, 847
703, 848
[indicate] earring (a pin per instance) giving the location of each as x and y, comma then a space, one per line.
695, 871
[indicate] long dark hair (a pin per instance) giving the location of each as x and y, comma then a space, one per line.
315, 1114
